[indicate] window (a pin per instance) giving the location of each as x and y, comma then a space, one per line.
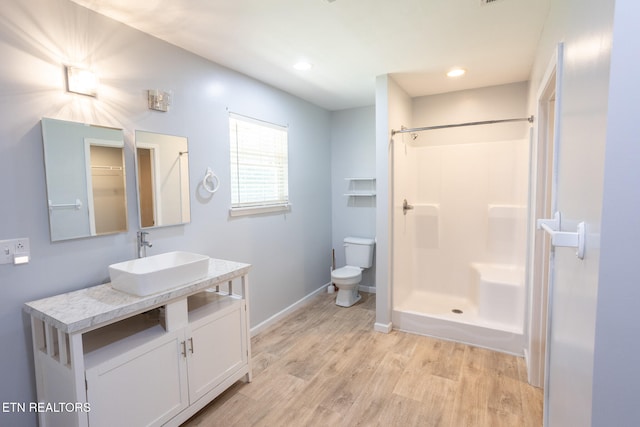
259, 166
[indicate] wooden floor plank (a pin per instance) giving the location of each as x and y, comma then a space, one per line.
368, 407
470, 407
324, 365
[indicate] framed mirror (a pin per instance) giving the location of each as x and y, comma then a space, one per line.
85, 178
162, 166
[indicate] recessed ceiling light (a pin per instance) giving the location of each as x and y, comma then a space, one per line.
456, 72
302, 65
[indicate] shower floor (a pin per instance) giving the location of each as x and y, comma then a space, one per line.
440, 305
432, 314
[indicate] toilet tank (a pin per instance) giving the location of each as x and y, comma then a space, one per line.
359, 251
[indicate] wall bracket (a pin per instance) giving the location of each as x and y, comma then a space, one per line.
564, 238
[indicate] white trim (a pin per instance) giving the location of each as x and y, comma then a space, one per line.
384, 328
256, 210
539, 322
282, 314
260, 122
557, 140
117, 143
368, 289
88, 143
154, 149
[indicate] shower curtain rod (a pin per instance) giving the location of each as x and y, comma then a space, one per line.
487, 122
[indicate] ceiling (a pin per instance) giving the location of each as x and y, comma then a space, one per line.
349, 42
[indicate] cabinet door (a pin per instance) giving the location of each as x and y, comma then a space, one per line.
216, 349
145, 386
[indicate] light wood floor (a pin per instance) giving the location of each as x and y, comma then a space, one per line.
324, 365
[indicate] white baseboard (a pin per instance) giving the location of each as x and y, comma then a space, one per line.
533, 378
384, 328
280, 315
368, 289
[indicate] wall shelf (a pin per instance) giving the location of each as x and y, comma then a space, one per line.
361, 187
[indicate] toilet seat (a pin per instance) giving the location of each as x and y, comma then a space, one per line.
347, 275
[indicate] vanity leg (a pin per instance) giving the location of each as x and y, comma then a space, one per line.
245, 296
76, 359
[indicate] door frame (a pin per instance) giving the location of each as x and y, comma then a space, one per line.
153, 149
88, 143
540, 259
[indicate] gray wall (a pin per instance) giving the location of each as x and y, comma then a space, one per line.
289, 252
616, 377
487, 103
353, 154
393, 110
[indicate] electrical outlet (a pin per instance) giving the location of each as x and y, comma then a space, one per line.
22, 245
14, 251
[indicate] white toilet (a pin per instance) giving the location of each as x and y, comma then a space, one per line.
359, 255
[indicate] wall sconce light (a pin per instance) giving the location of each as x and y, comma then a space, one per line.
159, 100
82, 81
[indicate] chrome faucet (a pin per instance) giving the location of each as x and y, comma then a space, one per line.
143, 244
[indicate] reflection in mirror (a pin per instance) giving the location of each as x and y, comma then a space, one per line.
162, 163
86, 179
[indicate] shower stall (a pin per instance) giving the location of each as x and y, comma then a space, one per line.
459, 233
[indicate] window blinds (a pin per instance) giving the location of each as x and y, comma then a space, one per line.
259, 163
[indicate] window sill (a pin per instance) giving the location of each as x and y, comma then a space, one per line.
257, 210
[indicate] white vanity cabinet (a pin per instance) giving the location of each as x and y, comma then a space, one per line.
139, 361
142, 386
214, 333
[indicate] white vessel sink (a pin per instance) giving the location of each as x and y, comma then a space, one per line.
150, 275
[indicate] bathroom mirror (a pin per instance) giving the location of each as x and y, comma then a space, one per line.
86, 179
162, 166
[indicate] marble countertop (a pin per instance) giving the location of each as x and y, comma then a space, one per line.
88, 308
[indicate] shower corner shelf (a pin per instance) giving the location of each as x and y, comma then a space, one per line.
360, 194
367, 192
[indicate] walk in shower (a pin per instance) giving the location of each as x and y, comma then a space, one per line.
459, 233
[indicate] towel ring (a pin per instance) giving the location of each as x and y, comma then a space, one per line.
211, 182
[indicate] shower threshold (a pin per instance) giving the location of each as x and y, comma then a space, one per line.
436, 315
